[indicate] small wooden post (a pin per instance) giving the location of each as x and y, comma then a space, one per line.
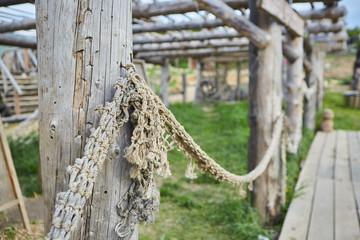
82, 49
184, 87
320, 77
294, 95
238, 83
164, 82
10, 188
199, 69
265, 97
26, 59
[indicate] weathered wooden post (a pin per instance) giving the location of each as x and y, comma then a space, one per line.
183, 77
238, 86
164, 82
311, 81
82, 47
265, 97
320, 73
199, 69
294, 95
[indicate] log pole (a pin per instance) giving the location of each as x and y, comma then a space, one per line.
164, 82
82, 49
265, 96
294, 96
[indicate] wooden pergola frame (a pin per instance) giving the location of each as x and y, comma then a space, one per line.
226, 33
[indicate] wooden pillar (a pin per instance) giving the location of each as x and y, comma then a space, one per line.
265, 97
238, 85
320, 78
199, 69
83, 47
183, 76
294, 96
311, 82
164, 82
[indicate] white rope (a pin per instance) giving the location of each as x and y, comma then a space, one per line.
147, 153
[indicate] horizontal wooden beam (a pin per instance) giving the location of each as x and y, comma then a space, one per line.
332, 13
163, 27
325, 27
231, 58
283, 12
256, 35
331, 46
18, 41
18, 25
5, 3
311, 1
214, 43
176, 7
189, 36
191, 53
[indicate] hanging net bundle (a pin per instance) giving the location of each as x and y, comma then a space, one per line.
156, 132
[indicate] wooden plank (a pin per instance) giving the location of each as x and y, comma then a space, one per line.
14, 180
354, 149
346, 219
246, 28
322, 216
17, 103
326, 167
296, 222
283, 12
8, 205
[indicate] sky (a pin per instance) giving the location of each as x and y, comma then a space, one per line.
352, 18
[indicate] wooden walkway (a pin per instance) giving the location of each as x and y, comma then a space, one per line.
329, 190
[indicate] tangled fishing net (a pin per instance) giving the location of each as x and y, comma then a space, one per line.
156, 132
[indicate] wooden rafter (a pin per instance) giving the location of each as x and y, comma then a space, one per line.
283, 12
240, 23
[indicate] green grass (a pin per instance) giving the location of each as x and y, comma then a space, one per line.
25, 153
346, 118
205, 208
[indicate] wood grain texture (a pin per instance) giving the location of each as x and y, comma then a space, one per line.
346, 219
265, 96
283, 12
296, 222
82, 47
